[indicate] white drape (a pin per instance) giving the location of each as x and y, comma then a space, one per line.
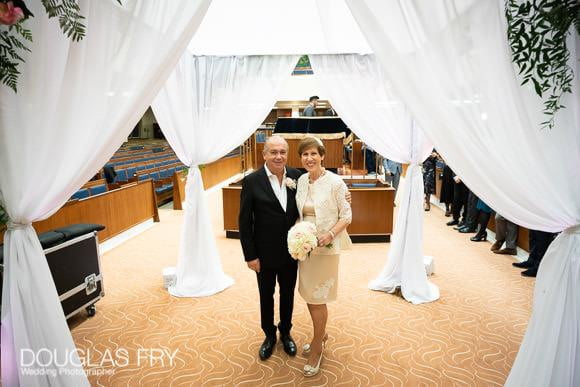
208, 106
450, 62
364, 100
75, 105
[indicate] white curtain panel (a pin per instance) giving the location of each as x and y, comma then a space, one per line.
451, 64
208, 107
75, 105
366, 103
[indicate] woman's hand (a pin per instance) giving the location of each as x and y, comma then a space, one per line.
325, 239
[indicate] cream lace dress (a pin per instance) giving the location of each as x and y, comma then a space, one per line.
318, 274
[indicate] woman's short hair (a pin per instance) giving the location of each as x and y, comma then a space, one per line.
311, 142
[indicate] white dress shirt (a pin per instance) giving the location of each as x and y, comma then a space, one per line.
279, 190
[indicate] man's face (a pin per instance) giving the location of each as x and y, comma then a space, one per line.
314, 102
276, 156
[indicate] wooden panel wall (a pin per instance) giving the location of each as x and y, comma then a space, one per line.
332, 159
117, 210
211, 174
220, 170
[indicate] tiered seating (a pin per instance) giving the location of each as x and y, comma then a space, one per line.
138, 162
92, 188
162, 177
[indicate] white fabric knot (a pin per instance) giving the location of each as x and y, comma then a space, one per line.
573, 229
17, 226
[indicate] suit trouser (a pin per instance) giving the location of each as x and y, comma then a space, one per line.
370, 161
286, 276
539, 243
459, 200
506, 231
472, 212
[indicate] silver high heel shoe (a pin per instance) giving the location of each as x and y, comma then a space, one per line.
311, 371
306, 347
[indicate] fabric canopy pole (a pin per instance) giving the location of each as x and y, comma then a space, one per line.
208, 107
451, 64
75, 105
366, 103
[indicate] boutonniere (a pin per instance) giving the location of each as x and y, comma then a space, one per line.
290, 183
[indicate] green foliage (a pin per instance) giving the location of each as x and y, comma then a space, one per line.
69, 17
13, 38
537, 32
3, 216
12, 45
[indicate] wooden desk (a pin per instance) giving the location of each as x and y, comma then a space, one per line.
357, 156
372, 209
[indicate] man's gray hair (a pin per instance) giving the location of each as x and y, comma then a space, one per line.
274, 139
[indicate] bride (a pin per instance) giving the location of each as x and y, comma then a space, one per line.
321, 199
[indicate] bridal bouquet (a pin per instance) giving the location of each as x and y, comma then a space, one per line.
302, 240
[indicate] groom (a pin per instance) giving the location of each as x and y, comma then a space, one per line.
267, 211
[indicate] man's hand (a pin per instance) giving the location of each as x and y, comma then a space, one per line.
348, 197
457, 179
254, 265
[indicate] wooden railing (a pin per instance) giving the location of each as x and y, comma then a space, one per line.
117, 210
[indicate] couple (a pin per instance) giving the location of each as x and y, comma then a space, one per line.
273, 199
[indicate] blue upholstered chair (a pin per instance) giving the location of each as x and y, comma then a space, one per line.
99, 189
121, 176
81, 194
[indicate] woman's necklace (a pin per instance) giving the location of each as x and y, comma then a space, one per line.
312, 181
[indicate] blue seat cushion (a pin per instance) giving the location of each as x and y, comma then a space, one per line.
81, 194
99, 189
165, 188
121, 175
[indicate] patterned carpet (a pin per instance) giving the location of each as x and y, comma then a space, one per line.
469, 337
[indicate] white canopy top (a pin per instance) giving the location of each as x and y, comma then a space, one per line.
276, 27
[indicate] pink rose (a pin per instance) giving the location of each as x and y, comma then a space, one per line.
9, 14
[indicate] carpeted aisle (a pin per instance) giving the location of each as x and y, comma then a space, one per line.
469, 337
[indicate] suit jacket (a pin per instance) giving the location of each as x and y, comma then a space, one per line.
263, 222
330, 112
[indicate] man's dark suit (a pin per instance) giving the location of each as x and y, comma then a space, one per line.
264, 229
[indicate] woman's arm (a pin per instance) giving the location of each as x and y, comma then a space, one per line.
339, 191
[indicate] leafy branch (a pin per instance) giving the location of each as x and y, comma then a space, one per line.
537, 32
69, 17
13, 36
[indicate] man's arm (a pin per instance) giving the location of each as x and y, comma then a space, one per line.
246, 222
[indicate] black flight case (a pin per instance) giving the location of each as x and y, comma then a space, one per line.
73, 257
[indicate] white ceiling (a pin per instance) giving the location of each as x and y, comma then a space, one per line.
276, 27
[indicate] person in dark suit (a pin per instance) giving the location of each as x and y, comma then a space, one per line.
539, 242
267, 211
330, 112
460, 193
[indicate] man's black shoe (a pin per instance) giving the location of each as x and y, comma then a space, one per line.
466, 230
531, 272
289, 345
267, 347
523, 265
452, 222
